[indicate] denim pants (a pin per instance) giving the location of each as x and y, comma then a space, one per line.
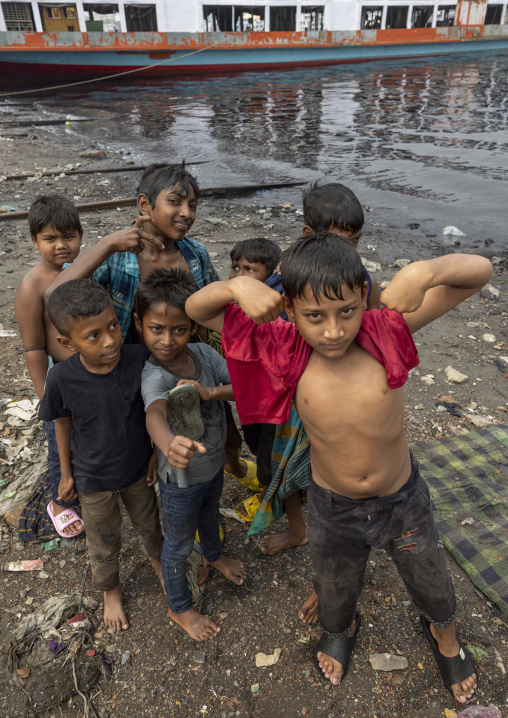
341, 533
54, 475
185, 511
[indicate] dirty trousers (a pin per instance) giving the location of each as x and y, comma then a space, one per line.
103, 521
341, 533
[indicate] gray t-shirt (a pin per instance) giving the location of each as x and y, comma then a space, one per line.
211, 370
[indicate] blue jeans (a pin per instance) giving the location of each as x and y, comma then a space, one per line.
185, 511
54, 464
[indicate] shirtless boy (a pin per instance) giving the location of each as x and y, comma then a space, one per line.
56, 233
345, 367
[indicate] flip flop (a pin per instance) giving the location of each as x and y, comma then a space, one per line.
66, 518
251, 505
184, 412
452, 670
339, 648
250, 480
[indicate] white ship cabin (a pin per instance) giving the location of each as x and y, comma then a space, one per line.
250, 16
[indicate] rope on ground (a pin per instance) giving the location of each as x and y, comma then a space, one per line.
106, 77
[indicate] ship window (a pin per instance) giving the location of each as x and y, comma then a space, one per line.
283, 19
312, 18
218, 19
445, 16
422, 16
248, 19
102, 18
371, 18
18, 16
493, 15
141, 18
396, 17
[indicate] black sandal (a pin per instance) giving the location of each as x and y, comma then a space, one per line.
337, 647
452, 670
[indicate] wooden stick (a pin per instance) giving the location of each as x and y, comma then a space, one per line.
131, 201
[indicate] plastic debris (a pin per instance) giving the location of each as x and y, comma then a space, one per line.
7, 208
231, 514
254, 687
5, 333
371, 266
125, 657
26, 409
23, 565
400, 263
482, 421
455, 376
469, 521
388, 662
490, 292
451, 407
199, 657
264, 659
50, 614
52, 545
454, 231
490, 711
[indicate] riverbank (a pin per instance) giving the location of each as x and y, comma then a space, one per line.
166, 673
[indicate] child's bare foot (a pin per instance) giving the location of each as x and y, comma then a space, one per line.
199, 627
270, 545
156, 565
309, 611
72, 529
114, 615
232, 569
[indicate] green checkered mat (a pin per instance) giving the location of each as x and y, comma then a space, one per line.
468, 480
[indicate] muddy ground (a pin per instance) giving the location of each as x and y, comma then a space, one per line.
167, 674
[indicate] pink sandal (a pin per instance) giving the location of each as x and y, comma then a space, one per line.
66, 518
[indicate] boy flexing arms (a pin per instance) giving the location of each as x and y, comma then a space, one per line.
345, 367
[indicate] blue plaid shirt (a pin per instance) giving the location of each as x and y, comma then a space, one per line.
119, 275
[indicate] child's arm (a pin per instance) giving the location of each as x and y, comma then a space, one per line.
258, 301
424, 291
151, 474
132, 239
66, 488
375, 295
179, 450
29, 310
206, 393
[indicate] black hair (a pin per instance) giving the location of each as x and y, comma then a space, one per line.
171, 287
75, 300
54, 209
258, 249
159, 177
332, 205
324, 262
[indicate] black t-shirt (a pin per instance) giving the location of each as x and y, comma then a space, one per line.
110, 446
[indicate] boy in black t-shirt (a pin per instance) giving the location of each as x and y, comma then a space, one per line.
94, 397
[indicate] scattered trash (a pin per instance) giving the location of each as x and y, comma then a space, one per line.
4, 333
490, 711
26, 409
490, 292
454, 231
500, 365
24, 485
43, 575
481, 422
469, 521
428, 379
388, 662
489, 338
231, 514
254, 687
23, 565
125, 657
400, 263
93, 154
456, 377
90, 653
477, 652
199, 657
7, 208
264, 659
371, 266
451, 407
51, 614
23, 672
52, 545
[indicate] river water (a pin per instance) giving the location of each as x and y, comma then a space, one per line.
420, 141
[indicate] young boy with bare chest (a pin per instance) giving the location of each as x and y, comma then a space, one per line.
56, 233
346, 367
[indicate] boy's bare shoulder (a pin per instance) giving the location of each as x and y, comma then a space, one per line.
36, 280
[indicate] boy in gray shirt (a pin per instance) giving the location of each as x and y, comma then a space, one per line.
167, 331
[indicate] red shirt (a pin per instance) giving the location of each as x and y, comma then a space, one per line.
266, 361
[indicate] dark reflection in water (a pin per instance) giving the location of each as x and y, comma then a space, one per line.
435, 129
